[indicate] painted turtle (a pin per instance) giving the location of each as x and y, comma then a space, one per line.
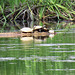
40, 29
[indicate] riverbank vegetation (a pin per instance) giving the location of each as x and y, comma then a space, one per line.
44, 10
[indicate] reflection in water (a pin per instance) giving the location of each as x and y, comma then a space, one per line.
37, 39
26, 56
51, 35
26, 38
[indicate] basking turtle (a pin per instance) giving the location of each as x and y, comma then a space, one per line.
28, 32
26, 29
37, 27
40, 29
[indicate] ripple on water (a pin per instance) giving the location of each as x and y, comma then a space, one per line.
63, 51
61, 69
11, 44
7, 58
57, 44
58, 48
63, 60
72, 57
40, 58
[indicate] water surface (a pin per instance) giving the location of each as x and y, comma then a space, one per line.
49, 56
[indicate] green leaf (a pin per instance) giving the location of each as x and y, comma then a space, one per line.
62, 7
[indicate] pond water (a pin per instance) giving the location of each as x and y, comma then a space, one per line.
39, 56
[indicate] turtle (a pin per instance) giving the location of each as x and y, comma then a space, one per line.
26, 29
40, 29
37, 27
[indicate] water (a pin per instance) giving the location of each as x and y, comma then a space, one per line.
49, 56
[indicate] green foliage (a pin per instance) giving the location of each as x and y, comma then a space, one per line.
41, 12
3, 14
57, 6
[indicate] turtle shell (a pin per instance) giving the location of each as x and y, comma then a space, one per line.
40, 29
26, 29
37, 27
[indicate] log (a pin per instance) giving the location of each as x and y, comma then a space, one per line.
10, 34
22, 34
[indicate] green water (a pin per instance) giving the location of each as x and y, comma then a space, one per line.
49, 56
